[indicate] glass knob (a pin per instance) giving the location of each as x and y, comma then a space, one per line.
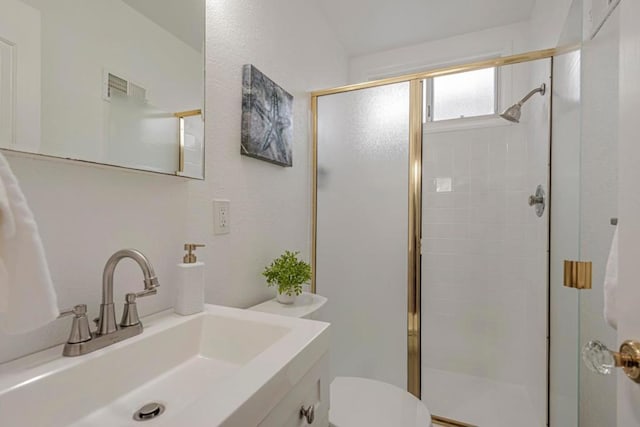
598, 358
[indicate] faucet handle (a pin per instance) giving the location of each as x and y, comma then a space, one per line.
130, 313
80, 331
78, 310
145, 293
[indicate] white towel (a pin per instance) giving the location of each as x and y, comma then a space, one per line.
611, 284
27, 297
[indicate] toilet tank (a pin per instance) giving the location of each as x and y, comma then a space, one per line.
306, 306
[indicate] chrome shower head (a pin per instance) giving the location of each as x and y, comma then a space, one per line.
513, 113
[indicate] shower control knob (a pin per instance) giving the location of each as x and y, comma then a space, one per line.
308, 414
533, 200
537, 200
599, 359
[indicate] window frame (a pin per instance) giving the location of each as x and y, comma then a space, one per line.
428, 107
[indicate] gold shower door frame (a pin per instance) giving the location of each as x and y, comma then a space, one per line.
414, 190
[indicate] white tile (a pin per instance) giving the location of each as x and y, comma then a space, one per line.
461, 158
479, 162
461, 200
438, 246
478, 184
497, 182
497, 157
429, 184
444, 159
429, 169
516, 182
461, 184
489, 246
516, 157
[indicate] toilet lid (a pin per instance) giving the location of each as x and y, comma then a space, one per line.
362, 402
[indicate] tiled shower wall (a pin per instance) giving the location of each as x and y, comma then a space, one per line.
484, 282
478, 244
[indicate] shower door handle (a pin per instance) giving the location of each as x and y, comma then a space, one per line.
599, 359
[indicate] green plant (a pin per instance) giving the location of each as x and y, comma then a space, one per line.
288, 273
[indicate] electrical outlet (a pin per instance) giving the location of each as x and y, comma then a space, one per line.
221, 217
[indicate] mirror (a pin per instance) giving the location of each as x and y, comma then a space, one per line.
116, 82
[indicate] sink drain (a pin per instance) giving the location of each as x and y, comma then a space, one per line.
149, 411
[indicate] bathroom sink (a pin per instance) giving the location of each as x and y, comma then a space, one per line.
224, 366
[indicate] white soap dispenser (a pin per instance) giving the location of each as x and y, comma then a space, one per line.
190, 298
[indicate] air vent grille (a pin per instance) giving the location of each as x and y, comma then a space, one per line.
117, 84
137, 92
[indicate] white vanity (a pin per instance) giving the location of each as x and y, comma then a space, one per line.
222, 367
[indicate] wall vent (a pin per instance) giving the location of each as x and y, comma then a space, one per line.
137, 92
119, 85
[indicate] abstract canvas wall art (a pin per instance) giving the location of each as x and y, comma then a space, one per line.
267, 119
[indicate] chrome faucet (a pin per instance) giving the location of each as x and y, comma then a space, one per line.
108, 332
107, 319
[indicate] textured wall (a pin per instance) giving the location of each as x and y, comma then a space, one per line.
270, 205
499, 41
86, 213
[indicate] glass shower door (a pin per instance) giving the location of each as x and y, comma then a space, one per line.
484, 259
598, 211
362, 222
584, 205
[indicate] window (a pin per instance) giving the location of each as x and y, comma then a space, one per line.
462, 95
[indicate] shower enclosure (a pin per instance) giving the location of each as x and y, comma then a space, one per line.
433, 261
484, 251
362, 240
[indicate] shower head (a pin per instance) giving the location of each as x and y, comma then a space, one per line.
513, 113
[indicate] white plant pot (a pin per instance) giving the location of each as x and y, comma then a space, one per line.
286, 298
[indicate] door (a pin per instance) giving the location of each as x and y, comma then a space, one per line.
629, 202
484, 248
362, 222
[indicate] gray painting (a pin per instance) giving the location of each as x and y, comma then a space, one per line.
267, 118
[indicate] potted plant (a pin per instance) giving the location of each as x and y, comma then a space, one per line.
288, 273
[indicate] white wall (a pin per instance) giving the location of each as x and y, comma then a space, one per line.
500, 41
86, 213
270, 205
547, 22
542, 31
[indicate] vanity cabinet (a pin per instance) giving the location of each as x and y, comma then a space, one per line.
311, 390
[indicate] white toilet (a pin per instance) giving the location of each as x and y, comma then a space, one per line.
357, 402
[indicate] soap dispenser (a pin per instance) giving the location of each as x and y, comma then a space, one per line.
190, 298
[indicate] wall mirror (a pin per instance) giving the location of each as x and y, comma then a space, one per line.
116, 82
